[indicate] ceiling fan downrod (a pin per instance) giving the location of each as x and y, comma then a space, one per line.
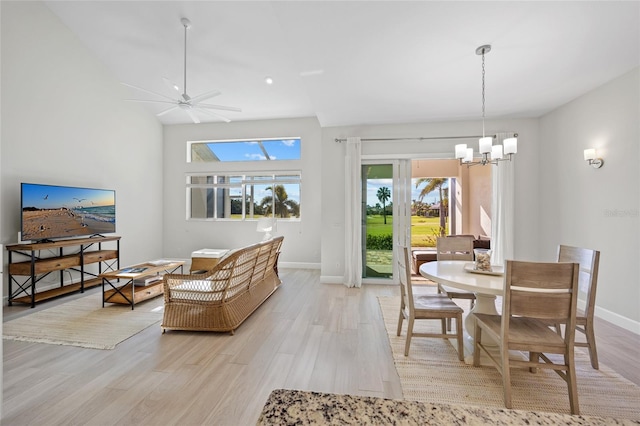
186, 24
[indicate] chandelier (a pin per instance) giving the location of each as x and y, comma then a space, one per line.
490, 153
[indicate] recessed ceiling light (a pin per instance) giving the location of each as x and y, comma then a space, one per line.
268, 80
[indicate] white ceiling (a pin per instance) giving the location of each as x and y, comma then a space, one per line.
363, 62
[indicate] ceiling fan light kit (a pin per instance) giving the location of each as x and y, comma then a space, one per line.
186, 103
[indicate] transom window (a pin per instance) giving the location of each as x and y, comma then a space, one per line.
244, 150
243, 196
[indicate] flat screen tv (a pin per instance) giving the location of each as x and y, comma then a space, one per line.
52, 211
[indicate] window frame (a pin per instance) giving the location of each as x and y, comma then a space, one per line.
276, 177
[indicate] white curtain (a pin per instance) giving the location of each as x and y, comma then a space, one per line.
353, 214
502, 208
402, 200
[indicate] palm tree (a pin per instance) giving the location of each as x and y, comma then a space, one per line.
431, 185
284, 207
383, 195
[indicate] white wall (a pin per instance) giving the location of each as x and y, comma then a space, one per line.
64, 122
597, 208
301, 246
526, 237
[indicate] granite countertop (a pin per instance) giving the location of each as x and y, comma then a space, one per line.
289, 407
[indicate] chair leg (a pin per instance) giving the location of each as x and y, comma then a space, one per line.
506, 377
459, 333
400, 322
444, 325
534, 357
572, 385
558, 329
591, 341
409, 333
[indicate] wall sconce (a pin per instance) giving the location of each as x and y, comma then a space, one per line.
591, 159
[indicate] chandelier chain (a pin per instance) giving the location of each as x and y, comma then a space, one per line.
483, 98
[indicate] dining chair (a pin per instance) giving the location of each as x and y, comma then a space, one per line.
455, 248
425, 307
534, 293
589, 261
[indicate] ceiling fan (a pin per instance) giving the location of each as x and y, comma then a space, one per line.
186, 103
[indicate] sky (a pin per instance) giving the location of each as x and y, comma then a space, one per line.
55, 197
278, 149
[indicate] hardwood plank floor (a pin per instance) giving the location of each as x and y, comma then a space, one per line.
307, 336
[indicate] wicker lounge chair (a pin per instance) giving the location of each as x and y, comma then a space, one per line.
222, 298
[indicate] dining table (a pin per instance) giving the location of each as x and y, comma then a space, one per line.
462, 275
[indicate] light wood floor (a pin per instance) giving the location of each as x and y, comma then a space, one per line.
307, 336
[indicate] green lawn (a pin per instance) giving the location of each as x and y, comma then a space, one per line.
423, 229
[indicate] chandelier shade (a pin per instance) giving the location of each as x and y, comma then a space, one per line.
489, 153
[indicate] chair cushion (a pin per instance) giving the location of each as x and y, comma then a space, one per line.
196, 290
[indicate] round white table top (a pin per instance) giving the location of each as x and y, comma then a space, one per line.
452, 273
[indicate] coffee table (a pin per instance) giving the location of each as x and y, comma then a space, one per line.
139, 283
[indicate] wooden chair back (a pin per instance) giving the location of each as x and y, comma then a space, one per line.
404, 273
429, 307
546, 291
454, 248
589, 261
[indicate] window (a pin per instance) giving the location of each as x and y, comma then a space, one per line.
243, 196
244, 150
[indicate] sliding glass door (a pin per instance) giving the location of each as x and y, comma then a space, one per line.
385, 209
377, 221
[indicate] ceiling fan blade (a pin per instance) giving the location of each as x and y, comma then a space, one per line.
148, 91
173, 108
206, 95
171, 85
222, 107
152, 101
214, 115
192, 115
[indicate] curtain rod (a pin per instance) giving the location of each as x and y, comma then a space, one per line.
420, 138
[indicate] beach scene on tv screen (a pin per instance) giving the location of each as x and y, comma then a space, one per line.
59, 211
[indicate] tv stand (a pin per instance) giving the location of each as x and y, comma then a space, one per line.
32, 267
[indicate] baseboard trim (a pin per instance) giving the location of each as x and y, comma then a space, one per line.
331, 279
619, 320
298, 265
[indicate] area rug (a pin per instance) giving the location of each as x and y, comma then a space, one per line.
84, 322
433, 373
295, 407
